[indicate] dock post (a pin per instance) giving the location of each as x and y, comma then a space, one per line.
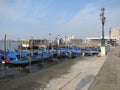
103, 52
83, 53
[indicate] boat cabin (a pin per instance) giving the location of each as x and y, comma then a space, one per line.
34, 43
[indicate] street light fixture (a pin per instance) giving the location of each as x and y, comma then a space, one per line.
102, 18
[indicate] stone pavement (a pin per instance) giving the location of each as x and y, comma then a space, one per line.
80, 75
108, 78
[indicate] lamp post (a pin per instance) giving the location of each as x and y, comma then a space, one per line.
102, 18
65, 41
110, 35
49, 41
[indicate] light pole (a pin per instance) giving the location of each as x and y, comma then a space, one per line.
49, 42
110, 35
65, 41
102, 18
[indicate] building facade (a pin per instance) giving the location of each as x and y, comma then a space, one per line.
115, 34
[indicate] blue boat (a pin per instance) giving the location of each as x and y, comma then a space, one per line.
91, 51
70, 51
18, 62
74, 51
25, 58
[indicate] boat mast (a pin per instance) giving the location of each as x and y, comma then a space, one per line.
32, 43
5, 47
5, 55
20, 46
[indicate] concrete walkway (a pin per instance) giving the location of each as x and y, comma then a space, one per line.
108, 78
80, 75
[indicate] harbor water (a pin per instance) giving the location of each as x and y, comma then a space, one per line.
10, 45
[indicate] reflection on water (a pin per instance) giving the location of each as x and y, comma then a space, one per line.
11, 45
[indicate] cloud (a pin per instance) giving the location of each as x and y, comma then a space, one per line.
84, 16
84, 22
23, 10
112, 17
47, 16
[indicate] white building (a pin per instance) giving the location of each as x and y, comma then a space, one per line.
95, 41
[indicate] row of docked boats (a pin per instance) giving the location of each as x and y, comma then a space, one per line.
25, 58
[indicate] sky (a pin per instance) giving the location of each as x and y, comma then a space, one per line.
23, 19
